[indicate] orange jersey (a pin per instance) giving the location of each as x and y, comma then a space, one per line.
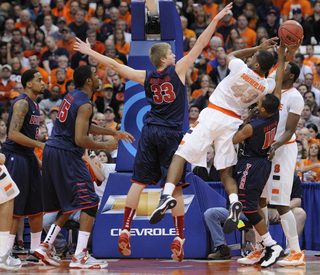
69, 76
304, 5
249, 37
60, 13
125, 48
68, 46
314, 171
22, 27
211, 11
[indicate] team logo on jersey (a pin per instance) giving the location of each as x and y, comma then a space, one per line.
149, 200
35, 120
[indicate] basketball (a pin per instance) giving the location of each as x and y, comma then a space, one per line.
290, 32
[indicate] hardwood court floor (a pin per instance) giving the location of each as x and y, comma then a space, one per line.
170, 267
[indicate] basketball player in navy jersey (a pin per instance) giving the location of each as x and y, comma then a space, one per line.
162, 132
21, 162
67, 184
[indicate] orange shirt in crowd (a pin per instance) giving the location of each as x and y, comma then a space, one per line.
113, 126
22, 27
211, 11
44, 74
89, 14
314, 171
196, 93
189, 33
6, 90
126, 17
279, 3
61, 86
60, 13
125, 48
38, 152
316, 81
304, 5
27, 54
69, 76
249, 37
68, 46
99, 47
69, 18
310, 61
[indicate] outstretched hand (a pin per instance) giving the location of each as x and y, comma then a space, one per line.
224, 12
81, 46
124, 136
292, 50
270, 43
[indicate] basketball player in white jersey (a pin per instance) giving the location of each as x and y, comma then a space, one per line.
8, 191
283, 153
219, 122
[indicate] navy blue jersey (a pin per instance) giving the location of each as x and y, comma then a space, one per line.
264, 130
30, 127
63, 135
166, 94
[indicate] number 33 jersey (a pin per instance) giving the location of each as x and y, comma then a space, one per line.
167, 96
241, 88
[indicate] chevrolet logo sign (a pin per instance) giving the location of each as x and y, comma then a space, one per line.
149, 200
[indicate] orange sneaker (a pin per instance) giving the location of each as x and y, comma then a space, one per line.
252, 258
124, 243
294, 258
177, 249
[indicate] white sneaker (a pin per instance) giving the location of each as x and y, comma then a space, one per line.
85, 260
252, 258
7, 261
272, 255
46, 253
177, 249
294, 258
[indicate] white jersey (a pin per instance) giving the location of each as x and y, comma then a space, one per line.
291, 102
241, 88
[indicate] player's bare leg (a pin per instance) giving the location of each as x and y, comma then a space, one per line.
132, 202
167, 201
235, 208
178, 218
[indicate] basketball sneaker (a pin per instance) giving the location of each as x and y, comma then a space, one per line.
7, 261
124, 243
272, 255
46, 253
177, 249
231, 222
31, 257
166, 202
85, 260
252, 258
294, 258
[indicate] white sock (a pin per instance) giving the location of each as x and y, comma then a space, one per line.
266, 215
11, 241
83, 239
168, 188
289, 227
267, 239
35, 240
52, 233
4, 239
258, 238
233, 198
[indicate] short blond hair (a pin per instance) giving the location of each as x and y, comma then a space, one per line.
158, 51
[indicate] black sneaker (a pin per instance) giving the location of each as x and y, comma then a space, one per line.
222, 252
63, 252
272, 255
231, 222
166, 202
32, 258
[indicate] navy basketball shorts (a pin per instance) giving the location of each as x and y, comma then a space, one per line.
25, 171
156, 148
251, 174
67, 184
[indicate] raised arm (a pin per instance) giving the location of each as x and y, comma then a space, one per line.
135, 75
184, 63
280, 70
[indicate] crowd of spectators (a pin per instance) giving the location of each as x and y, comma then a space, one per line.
40, 34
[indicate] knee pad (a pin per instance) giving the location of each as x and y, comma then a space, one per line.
254, 218
92, 212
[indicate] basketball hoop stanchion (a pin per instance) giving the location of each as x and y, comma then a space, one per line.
148, 241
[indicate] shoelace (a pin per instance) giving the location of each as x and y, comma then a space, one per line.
254, 254
292, 256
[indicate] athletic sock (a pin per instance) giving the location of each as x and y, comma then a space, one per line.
36, 240
11, 241
52, 233
179, 225
289, 227
267, 239
128, 217
233, 198
83, 238
4, 239
168, 189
